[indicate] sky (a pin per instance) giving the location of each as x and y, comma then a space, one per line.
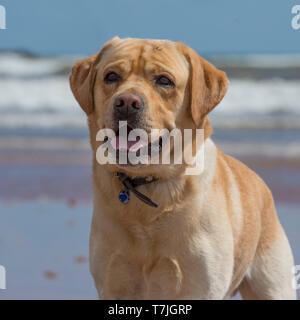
209, 26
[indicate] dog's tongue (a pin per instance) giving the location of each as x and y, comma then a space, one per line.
122, 143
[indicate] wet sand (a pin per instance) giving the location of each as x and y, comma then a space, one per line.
66, 175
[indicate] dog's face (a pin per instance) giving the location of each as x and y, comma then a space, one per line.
151, 84
142, 82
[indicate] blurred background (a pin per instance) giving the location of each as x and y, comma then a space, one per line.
45, 159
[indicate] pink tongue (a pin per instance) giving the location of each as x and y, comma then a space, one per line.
121, 143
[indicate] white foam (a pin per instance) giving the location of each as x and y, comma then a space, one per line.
14, 64
35, 92
45, 94
261, 96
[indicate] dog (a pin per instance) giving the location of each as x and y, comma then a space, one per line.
179, 236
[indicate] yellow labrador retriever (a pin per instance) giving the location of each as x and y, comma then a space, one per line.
212, 234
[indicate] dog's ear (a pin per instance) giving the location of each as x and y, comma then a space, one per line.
82, 82
208, 85
83, 77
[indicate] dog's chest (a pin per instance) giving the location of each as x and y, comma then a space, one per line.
148, 274
158, 277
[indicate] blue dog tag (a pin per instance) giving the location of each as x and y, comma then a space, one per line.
124, 196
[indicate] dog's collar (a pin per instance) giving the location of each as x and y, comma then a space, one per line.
130, 185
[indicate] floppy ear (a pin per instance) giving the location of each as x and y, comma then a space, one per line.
82, 81
83, 77
208, 85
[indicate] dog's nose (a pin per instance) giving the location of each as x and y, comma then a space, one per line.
128, 103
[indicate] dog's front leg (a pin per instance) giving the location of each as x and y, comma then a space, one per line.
163, 279
123, 280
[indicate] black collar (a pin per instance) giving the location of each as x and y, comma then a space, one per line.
131, 184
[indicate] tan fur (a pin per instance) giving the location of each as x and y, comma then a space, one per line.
212, 234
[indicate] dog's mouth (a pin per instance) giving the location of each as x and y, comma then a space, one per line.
128, 147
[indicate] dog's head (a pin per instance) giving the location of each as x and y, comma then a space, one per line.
151, 84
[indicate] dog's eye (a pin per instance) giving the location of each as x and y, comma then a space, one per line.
164, 81
112, 77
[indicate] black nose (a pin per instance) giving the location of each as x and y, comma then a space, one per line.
128, 103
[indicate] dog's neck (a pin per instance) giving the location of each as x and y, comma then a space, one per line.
132, 184
170, 193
